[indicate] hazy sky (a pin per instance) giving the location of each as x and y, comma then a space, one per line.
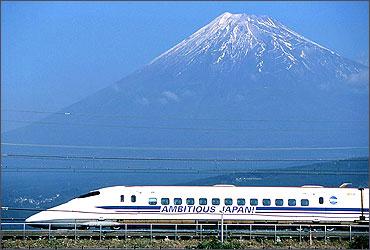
55, 53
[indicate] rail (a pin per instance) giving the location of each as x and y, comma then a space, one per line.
76, 231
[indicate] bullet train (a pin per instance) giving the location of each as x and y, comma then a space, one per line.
113, 206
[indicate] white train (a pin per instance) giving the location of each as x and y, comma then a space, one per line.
113, 206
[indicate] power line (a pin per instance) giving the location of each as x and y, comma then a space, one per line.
217, 169
12, 219
126, 170
111, 158
94, 114
205, 129
186, 148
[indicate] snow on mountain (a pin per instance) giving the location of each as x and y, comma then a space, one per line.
256, 44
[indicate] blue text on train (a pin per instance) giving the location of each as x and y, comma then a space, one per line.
208, 209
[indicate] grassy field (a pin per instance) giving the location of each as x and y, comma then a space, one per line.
357, 243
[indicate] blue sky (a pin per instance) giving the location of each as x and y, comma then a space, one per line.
56, 53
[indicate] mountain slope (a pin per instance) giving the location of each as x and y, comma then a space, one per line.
238, 67
328, 174
248, 45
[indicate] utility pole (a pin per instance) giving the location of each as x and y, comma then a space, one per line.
222, 226
362, 217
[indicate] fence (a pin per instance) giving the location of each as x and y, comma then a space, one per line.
183, 231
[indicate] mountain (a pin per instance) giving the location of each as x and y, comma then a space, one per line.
240, 81
256, 49
328, 174
238, 67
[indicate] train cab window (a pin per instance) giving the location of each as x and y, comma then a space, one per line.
291, 202
133, 198
240, 202
253, 202
321, 200
279, 202
122, 198
215, 201
202, 201
165, 201
177, 201
266, 202
93, 193
152, 201
190, 201
228, 201
305, 202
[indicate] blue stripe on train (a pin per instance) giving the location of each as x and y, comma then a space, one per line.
304, 212
132, 207
323, 209
310, 209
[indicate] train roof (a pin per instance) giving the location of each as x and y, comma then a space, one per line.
225, 186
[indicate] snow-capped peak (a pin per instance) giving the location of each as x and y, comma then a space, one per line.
236, 35
249, 41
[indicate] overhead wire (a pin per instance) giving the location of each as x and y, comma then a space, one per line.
179, 171
129, 169
95, 114
121, 158
204, 129
12, 219
186, 148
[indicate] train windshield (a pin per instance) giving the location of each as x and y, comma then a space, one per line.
93, 193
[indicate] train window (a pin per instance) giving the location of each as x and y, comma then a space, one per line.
165, 201
152, 201
279, 202
215, 201
122, 198
291, 202
93, 193
305, 202
241, 202
253, 202
266, 202
228, 201
202, 201
133, 198
177, 201
190, 201
321, 200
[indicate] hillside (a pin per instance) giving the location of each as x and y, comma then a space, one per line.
241, 80
328, 174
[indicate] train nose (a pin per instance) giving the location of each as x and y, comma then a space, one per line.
39, 217
39, 220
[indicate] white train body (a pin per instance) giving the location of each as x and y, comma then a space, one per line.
113, 205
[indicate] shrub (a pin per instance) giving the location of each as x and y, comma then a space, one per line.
214, 243
360, 242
